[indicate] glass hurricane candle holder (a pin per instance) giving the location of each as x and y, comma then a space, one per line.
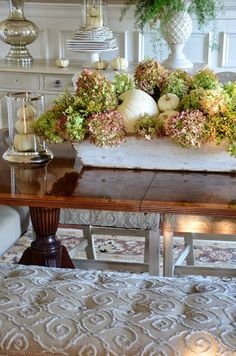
23, 109
93, 13
28, 180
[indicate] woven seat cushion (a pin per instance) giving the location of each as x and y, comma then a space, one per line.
46, 311
127, 220
14, 221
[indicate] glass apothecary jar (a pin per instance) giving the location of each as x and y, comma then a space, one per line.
23, 109
93, 13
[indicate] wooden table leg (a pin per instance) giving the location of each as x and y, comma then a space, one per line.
46, 249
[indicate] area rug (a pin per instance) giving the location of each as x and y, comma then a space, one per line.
128, 249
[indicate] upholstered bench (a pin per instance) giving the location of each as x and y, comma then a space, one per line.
52, 311
14, 221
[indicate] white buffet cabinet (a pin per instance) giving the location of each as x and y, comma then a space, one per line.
42, 76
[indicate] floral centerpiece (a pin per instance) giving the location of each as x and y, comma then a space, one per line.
151, 103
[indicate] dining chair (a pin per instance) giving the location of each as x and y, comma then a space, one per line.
191, 227
225, 77
94, 222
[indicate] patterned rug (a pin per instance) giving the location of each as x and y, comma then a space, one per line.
129, 249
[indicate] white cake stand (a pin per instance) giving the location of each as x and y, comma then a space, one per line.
93, 55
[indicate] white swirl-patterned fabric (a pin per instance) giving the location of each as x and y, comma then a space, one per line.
52, 311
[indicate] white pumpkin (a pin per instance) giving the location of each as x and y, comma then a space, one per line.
100, 64
168, 101
24, 126
119, 63
93, 11
26, 112
136, 103
62, 62
94, 21
24, 143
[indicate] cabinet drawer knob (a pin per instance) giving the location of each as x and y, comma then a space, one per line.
57, 83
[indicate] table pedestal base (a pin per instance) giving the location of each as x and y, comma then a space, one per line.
46, 249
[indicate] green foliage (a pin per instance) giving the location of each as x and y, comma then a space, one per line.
148, 11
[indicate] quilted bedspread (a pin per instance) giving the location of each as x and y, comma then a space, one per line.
50, 311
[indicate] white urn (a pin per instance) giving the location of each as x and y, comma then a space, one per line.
176, 31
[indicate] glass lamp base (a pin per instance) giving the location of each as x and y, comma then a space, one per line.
19, 54
31, 158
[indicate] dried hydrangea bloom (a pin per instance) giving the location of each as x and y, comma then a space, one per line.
149, 75
187, 128
205, 79
214, 102
106, 128
95, 93
149, 127
178, 82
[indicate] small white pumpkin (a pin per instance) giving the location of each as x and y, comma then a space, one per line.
136, 103
93, 11
24, 143
119, 63
168, 101
94, 21
100, 64
24, 126
26, 112
62, 62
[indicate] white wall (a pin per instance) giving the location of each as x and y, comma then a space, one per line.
57, 22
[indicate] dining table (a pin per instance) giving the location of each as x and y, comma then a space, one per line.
63, 183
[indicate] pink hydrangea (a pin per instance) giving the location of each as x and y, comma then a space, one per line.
187, 128
106, 128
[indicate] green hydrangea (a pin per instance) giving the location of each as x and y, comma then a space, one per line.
178, 82
222, 127
45, 126
205, 79
94, 92
123, 82
230, 89
71, 126
192, 100
149, 127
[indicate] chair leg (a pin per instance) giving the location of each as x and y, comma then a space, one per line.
154, 252
189, 240
168, 264
90, 248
